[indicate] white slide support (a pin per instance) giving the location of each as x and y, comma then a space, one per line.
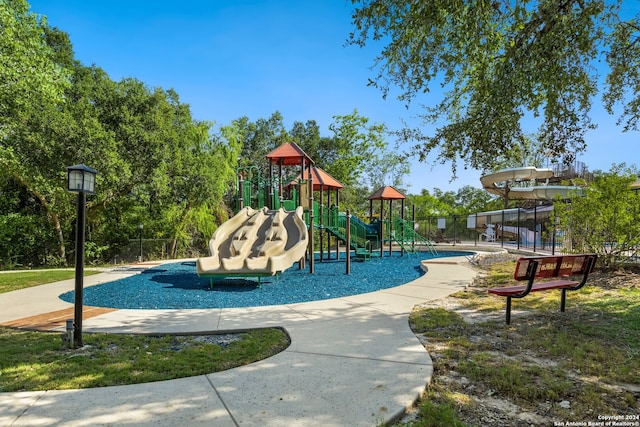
494, 232
256, 243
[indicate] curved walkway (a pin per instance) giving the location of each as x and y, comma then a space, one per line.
352, 361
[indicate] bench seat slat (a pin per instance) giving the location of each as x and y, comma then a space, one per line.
563, 267
542, 286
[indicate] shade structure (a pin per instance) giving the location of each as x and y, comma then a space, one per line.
289, 154
321, 180
387, 193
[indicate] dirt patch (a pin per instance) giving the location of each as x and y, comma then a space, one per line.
470, 315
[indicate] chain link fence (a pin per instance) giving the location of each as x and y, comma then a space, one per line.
139, 250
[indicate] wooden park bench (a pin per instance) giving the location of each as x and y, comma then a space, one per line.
556, 272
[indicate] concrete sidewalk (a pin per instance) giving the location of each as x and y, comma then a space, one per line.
353, 361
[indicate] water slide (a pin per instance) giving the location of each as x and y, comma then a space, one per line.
502, 182
537, 192
256, 243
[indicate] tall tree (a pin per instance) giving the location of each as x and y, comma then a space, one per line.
427, 204
606, 220
31, 80
29, 75
155, 163
30, 154
387, 168
470, 200
307, 136
499, 61
355, 141
260, 138
624, 79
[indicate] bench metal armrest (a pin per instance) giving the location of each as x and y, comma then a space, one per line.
531, 272
585, 276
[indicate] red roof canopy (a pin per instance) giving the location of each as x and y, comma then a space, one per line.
289, 154
387, 193
321, 179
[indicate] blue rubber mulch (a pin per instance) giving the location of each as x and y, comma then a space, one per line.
176, 285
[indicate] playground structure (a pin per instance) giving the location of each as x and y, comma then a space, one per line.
237, 246
398, 230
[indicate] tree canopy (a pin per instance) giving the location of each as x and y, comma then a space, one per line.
605, 219
499, 62
28, 73
156, 165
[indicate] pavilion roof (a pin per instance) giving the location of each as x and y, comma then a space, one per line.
320, 179
387, 193
289, 154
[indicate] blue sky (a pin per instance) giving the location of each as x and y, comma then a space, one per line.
234, 58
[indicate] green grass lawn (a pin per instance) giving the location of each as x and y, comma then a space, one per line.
39, 361
12, 281
555, 366
32, 360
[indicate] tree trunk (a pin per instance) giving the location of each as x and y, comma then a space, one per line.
58, 228
174, 242
173, 247
54, 219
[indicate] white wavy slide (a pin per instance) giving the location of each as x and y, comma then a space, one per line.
256, 243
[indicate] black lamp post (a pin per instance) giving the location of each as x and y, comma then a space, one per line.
81, 180
140, 227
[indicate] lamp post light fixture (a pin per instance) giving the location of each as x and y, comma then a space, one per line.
140, 227
81, 179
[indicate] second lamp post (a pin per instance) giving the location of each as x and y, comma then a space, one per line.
140, 228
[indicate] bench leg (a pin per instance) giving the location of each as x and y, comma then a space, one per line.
563, 299
508, 310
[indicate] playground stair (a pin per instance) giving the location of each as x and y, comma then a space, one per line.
407, 247
362, 247
335, 223
408, 239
